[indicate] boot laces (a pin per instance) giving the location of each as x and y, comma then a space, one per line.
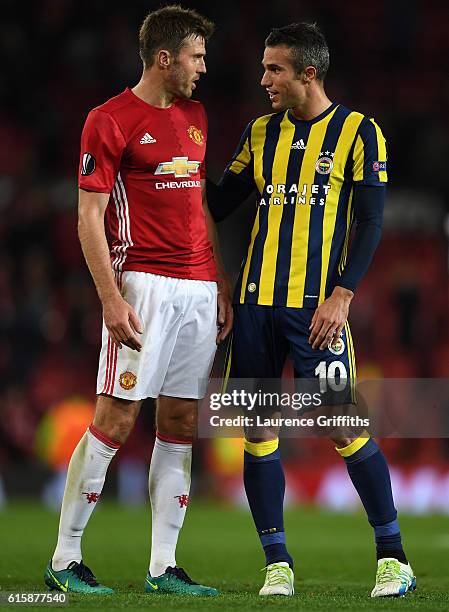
179, 573
388, 571
276, 574
84, 573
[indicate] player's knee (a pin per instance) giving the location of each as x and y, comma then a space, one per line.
341, 440
178, 425
116, 425
188, 425
123, 428
118, 430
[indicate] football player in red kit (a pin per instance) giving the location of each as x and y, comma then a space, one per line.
159, 277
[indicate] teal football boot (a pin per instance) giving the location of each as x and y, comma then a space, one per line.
175, 581
77, 578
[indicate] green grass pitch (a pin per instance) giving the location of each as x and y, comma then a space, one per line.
334, 556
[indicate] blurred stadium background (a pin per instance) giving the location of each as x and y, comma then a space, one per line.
59, 59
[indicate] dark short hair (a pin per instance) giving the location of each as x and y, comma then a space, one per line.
307, 44
168, 28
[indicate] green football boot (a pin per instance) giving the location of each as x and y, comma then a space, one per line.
279, 580
174, 581
77, 578
393, 578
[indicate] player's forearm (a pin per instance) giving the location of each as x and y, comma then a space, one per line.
96, 252
365, 243
227, 196
368, 206
213, 237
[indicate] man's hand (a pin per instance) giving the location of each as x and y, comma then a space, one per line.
329, 318
225, 313
122, 323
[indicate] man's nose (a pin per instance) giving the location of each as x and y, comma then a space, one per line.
265, 82
202, 67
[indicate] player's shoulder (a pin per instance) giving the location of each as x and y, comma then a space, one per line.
255, 130
114, 105
119, 114
262, 121
258, 125
367, 125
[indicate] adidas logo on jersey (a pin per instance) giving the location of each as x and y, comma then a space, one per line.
147, 139
299, 144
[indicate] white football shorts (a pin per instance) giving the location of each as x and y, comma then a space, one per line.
179, 320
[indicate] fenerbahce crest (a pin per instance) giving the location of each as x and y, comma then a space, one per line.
337, 346
324, 165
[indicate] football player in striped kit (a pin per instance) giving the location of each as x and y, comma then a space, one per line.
160, 278
316, 167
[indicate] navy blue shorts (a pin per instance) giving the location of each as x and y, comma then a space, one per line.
263, 337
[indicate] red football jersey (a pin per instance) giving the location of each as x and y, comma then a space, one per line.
151, 161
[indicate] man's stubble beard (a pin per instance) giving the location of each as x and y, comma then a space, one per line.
180, 83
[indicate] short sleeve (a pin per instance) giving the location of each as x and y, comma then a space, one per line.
241, 163
370, 155
102, 146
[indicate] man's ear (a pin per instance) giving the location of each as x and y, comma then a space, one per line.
164, 58
308, 74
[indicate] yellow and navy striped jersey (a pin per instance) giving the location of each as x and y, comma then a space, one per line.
304, 173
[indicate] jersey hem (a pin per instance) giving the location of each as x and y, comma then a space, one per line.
307, 305
128, 396
369, 183
170, 273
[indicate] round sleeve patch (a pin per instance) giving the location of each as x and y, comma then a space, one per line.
89, 164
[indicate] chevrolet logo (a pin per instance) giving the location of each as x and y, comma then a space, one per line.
179, 166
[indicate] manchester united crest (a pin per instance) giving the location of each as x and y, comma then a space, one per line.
196, 135
127, 380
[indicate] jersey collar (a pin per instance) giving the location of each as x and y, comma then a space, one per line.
296, 121
148, 106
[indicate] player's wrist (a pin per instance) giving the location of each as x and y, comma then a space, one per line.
223, 283
343, 293
109, 296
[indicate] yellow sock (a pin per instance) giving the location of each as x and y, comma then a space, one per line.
260, 449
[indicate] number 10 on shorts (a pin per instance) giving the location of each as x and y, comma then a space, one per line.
333, 374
